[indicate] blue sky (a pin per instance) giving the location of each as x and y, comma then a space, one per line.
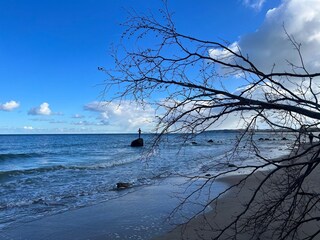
50, 52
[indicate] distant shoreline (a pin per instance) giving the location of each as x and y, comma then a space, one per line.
150, 133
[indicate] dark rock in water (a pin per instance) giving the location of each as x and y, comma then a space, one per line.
208, 175
137, 143
264, 139
123, 185
231, 165
194, 143
210, 141
284, 139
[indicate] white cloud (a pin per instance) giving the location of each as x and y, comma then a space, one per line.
43, 109
223, 54
124, 116
230, 121
9, 106
269, 45
28, 128
255, 4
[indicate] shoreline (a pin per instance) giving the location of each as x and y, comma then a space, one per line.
228, 206
140, 214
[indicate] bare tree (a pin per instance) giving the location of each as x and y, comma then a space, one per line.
190, 73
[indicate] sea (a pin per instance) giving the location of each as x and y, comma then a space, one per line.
43, 175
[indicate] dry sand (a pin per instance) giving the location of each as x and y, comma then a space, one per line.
227, 208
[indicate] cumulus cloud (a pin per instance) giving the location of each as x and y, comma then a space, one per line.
230, 121
269, 44
269, 47
9, 106
124, 116
43, 109
28, 128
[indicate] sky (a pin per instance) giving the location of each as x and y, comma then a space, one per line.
50, 52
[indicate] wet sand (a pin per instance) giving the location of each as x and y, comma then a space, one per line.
141, 214
226, 209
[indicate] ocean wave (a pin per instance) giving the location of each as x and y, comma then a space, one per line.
10, 156
44, 169
73, 198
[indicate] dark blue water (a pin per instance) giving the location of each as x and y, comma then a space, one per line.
41, 175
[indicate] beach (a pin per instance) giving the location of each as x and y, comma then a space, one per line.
143, 214
139, 214
228, 207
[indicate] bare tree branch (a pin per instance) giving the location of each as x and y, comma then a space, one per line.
189, 75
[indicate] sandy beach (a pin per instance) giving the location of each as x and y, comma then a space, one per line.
228, 207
